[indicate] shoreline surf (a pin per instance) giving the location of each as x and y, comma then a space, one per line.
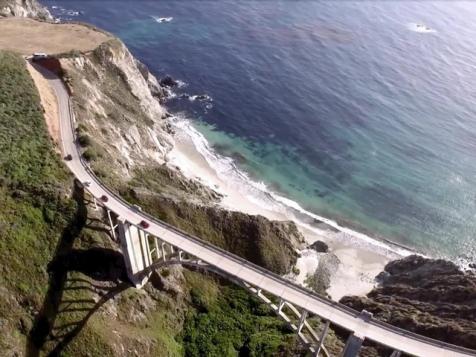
361, 256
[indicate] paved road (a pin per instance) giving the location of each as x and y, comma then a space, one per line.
384, 334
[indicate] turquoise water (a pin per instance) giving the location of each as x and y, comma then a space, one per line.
348, 108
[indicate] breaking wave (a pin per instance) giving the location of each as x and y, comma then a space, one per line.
421, 28
260, 194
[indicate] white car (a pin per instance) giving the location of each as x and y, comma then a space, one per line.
366, 315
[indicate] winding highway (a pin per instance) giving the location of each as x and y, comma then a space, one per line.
393, 337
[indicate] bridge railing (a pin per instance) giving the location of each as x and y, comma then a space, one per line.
258, 268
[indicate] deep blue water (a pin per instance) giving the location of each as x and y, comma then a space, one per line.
341, 106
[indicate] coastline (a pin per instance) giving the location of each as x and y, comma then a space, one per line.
360, 257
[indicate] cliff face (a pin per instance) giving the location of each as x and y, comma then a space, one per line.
117, 105
430, 297
24, 8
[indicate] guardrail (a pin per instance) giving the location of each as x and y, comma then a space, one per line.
259, 269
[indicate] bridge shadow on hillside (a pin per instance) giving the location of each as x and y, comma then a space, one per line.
80, 282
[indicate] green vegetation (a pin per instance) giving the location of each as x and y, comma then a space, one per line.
84, 140
228, 321
33, 210
37, 219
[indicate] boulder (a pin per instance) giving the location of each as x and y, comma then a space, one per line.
168, 81
319, 246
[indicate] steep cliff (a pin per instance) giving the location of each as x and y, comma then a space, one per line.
24, 8
117, 105
430, 297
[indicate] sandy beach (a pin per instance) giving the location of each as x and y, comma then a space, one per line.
359, 263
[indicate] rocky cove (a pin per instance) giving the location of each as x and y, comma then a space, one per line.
430, 297
126, 135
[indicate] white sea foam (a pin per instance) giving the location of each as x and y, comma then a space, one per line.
200, 97
162, 19
421, 28
65, 14
259, 194
181, 84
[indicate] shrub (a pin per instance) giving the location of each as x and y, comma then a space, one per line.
84, 140
90, 154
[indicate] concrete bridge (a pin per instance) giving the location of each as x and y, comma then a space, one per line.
160, 244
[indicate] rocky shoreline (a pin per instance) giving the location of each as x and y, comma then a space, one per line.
24, 8
431, 297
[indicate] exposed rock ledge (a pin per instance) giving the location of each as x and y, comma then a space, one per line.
430, 297
24, 8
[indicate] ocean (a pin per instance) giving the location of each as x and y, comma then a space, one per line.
361, 112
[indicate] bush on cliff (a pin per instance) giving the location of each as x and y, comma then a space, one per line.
234, 322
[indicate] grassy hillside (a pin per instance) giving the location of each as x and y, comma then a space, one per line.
38, 219
33, 183
33, 208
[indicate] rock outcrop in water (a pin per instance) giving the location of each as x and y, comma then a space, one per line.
24, 8
433, 298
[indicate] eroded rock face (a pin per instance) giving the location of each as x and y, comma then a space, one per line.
430, 297
24, 8
117, 104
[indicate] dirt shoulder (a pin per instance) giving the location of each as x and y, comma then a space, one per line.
49, 103
26, 36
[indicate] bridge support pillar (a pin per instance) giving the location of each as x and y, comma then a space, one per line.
135, 248
113, 227
322, 337
163, 251
302, 320
352, 346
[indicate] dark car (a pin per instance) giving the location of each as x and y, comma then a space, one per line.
38, 56
68, 157
144, 224
104, 198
